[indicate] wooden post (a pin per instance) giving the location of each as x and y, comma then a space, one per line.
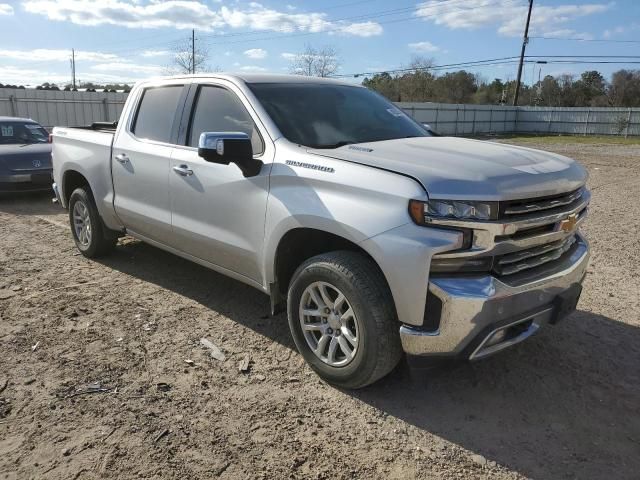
14, 105
549, 124
105, 106
626, 131
436, 122
490, 117
473, 124
586, 124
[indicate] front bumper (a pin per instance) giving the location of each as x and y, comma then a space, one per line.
481, 315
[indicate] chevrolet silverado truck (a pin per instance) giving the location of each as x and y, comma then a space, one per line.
376, 236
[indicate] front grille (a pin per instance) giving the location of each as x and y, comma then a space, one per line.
523, 207
532, 257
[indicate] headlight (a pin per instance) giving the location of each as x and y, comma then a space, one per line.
423, 212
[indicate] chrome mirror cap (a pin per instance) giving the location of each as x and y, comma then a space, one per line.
215, 140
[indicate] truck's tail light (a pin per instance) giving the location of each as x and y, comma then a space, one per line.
50, 140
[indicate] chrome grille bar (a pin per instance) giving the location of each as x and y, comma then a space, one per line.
526, 259
529, 206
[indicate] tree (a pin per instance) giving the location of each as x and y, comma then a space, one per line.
456, 87
312, 62
385, 85
184, 59
419, 85
625, 88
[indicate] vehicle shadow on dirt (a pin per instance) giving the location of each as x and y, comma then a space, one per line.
565, 404
29, 203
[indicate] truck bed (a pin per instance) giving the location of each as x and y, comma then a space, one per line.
88, 151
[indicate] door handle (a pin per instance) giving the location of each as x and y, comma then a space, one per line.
122, 158
183, 170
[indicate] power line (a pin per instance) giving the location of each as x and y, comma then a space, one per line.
577, 39
554, 59
490, 61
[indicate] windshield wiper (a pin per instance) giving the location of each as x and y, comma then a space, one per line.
339, 144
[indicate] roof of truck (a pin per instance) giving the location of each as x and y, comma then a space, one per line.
264, 78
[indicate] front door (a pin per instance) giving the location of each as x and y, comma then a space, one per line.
217, 214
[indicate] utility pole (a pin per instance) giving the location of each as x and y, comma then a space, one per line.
193, 51
525, 40
73, 68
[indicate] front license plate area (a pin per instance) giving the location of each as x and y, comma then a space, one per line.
566, 303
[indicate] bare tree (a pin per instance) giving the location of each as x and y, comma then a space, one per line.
316, 62
186, 57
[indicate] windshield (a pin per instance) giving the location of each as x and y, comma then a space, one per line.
329, 116
19, 133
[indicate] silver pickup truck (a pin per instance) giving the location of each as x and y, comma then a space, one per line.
377, 236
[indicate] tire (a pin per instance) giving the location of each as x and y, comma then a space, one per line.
373, 325
96, 240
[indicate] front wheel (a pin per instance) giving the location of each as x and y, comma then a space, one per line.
342, 319
89, 234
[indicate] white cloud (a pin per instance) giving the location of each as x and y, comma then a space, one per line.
57, 55
608, 33
288, 56
187, 14
256, 53
253, 68
117, 67
362, 29
424, 47
155, 53
11, 74
6, 9
507, 17
179, 14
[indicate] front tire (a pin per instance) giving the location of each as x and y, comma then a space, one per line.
342, 319
90, 235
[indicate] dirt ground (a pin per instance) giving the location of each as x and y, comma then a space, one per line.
102, 374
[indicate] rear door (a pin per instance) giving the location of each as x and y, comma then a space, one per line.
218, 214
141, 159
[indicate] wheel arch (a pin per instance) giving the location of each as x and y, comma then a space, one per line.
72, 179
298, 245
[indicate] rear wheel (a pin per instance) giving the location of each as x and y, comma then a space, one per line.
90, 235
342, 319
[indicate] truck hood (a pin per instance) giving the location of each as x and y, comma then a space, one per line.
456, 168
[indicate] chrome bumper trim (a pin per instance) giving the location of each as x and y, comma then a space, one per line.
56, 191
472, 304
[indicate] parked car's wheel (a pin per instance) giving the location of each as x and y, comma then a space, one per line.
90, 235
342, 319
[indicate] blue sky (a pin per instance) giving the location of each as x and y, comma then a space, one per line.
120, 40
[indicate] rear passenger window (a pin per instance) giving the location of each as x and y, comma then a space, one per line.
219, 110
156, 112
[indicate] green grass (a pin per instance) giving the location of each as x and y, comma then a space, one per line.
563, 139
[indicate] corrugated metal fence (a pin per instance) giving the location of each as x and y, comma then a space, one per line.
52, 108
452, 119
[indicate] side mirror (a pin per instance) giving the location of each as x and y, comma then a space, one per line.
229, 147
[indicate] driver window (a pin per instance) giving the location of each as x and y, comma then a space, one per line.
219, 110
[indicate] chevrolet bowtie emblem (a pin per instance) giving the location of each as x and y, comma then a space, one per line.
569, 224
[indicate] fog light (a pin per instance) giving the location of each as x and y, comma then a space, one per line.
498, 337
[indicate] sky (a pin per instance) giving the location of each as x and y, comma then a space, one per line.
124, 41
